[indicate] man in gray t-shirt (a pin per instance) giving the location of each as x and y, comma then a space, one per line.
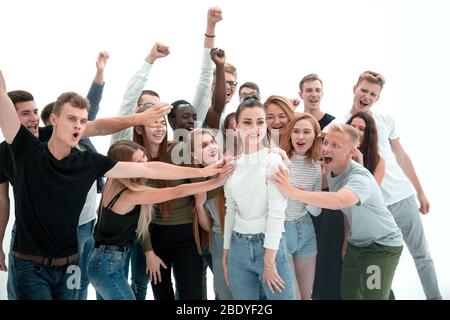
375, 241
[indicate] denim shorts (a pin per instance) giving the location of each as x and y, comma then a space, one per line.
301, 238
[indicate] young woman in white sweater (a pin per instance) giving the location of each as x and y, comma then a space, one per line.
255, 248
302, 144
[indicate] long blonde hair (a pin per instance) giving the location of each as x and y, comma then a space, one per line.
124, 150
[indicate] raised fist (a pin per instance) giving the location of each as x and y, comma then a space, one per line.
159, 50
214, 15
218, 56
102, 58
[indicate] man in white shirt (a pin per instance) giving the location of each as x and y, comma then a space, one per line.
396, 187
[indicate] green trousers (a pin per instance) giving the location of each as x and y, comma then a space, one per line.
367, 272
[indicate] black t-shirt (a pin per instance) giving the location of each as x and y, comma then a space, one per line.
326, 119
116, 229
6, 162
49, 194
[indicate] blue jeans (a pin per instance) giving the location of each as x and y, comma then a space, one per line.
246, 267
11, 269
223, 292
139, 276
85, 246
301, 238
37, 282
106, 273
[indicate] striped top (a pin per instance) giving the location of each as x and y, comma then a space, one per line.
308, 176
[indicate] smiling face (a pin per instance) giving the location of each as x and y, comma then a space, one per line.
365, 95
360, 125
276, 118
302, 136
252, 125
206, 150
154, 136
185, 118
230, 82
70, 124
28, 116
311, 95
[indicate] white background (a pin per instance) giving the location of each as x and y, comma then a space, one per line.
48, 47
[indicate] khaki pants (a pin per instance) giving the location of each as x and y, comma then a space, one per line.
367, 272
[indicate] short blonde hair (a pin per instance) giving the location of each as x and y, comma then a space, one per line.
352, 133
372, 77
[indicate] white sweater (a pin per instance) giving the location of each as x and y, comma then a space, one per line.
254, 204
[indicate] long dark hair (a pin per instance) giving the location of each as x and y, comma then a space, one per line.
369, 145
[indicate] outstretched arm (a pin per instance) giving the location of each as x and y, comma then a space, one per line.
331, 200
164, 171
9, 121
106, 126
404, 161
158, 195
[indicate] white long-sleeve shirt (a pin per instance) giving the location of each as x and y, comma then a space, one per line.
130, 98
253, 203
308, 176
202, 96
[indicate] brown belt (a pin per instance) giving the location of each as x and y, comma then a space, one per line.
48, 262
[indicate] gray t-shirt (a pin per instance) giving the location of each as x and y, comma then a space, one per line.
370, 220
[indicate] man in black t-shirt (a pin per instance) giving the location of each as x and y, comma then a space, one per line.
329, 225
311, 93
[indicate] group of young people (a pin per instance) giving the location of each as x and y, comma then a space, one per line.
279, 203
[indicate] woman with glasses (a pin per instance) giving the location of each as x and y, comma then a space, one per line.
255, 249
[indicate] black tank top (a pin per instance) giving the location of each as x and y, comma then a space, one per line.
116, 229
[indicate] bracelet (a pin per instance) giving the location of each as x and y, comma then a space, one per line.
209, 36
269, 265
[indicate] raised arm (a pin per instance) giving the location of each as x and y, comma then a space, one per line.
404, 161
164, 171
202, 96
135, 87
219, 95
4, 217
9, 121
106, 126
96, 90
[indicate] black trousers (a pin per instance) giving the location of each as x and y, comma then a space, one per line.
175, 245
329, 227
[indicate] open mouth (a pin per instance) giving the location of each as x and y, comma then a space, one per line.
313, 101
301, 144
363, 104
327, 160
76, 135
33, 127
